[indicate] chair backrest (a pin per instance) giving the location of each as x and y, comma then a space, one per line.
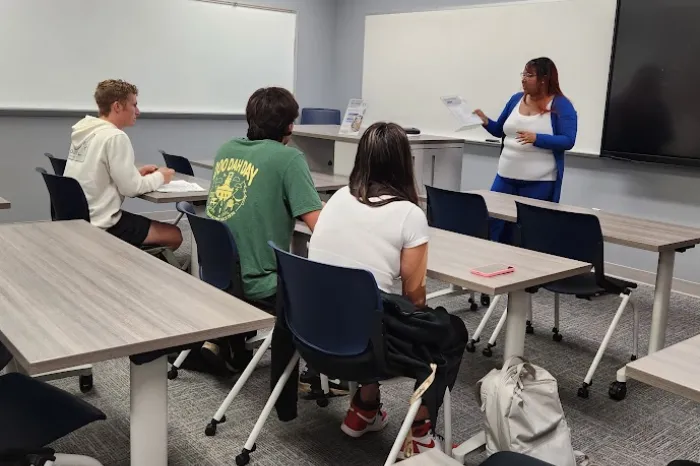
462, 213
565, 234
320, 116
333, 310
178, 163
58, 165
219, 261
67, 197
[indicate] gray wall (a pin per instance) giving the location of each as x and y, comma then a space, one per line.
651, 191
23, 140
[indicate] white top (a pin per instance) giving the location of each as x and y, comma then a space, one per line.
352, 234
102, 160
527, 162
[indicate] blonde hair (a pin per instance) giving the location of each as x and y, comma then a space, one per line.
110, 91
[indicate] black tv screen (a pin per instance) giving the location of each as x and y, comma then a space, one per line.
653, 106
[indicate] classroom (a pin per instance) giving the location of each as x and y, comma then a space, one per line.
349, 232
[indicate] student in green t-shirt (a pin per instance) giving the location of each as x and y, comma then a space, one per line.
259, 187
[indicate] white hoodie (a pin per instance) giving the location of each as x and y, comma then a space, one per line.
101, 158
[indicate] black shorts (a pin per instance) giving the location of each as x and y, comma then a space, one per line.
131, 228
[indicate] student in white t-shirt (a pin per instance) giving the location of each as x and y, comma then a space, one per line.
375, 224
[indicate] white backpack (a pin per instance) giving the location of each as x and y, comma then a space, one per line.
523, 413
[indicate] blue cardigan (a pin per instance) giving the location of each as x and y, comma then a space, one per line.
564, 125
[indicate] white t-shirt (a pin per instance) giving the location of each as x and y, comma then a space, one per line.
352, 234
526, 162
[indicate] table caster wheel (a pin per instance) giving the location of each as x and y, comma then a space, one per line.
485, 300
210, 430
471, 346
583, 391
172, 373
618, 391
322, 402
487, 352
633, 358
557, 337
529, 329
85, 383
473, 307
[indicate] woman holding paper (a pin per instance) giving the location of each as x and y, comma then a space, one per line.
536, 127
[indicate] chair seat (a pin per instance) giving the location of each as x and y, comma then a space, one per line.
587, 286
33, 414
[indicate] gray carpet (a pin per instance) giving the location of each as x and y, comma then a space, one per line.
649, 428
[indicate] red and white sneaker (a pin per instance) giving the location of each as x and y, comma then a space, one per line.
359, 421
423, 440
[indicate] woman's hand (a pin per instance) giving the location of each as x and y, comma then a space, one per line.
526, 137
480, 114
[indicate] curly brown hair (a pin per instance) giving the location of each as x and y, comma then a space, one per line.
110, 91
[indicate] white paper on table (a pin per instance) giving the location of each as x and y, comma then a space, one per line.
462, 111
180, 186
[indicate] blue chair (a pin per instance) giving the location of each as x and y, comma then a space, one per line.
219, 266
181, 165
335, 317
508, 458
178, 163
466, 214
320, 116
34, 414
579, 237
58, 165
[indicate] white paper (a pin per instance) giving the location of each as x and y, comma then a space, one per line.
180, 186
354, 115
462, 111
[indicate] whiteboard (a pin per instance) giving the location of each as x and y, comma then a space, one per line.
185, 56
412, 59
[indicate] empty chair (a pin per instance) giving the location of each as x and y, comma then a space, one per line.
508, 458
466, 214
346, 343
178, 163
220, 266
579, 237
58, 165
69, 203
34, 414
320, 116
181, 165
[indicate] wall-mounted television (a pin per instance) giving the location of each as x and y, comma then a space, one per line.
653, 107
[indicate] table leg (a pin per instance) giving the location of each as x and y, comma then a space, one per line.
194, 258
149, 413
300, 245
662, 297
519, 303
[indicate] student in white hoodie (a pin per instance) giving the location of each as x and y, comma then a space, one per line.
101, 158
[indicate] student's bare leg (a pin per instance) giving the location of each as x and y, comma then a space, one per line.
163, 234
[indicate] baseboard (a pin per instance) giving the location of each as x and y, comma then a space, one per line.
649, 278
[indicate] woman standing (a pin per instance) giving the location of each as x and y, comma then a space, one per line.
536, 127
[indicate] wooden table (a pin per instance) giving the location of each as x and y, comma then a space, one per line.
323, 182
675, 369
4, 204
169, 198
452, 256
73, 294
663, 238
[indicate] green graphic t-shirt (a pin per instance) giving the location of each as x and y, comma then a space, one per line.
258, 188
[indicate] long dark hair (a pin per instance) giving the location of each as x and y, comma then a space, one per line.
383, 166
547, 76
